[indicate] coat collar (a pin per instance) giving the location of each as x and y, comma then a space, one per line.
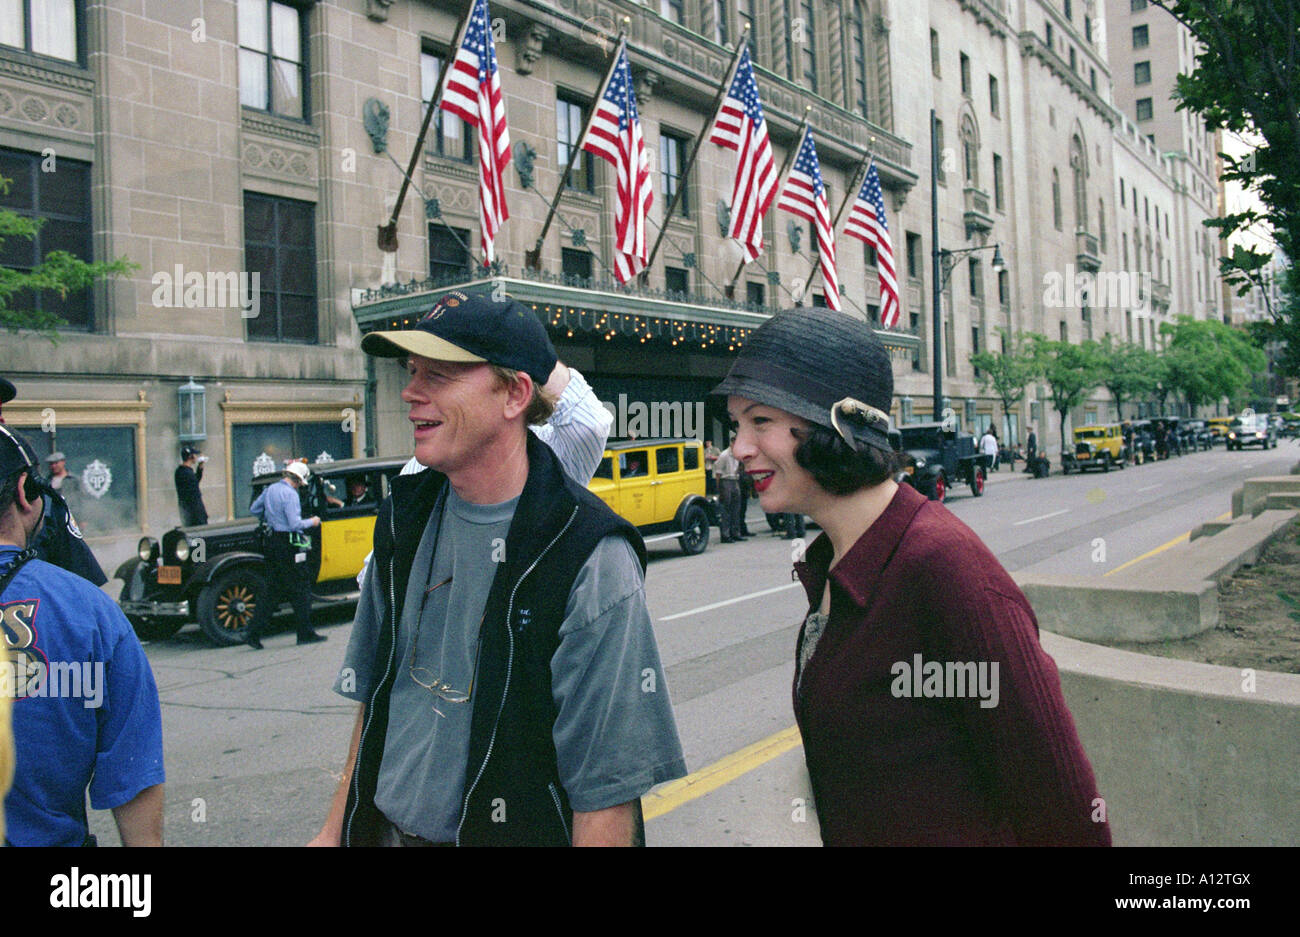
859, 570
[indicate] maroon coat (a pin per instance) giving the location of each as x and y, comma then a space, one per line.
921, 768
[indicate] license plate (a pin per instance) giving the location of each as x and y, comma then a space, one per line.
169, 575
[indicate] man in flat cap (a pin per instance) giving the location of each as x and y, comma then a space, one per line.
510, 685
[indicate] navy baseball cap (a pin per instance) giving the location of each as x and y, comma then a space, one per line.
461, 327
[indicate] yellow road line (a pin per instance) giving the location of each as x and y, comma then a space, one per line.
1162, 548
675, 793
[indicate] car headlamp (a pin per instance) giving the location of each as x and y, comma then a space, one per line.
182, 549
147, 549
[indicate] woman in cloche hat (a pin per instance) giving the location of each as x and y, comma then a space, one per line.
929, 712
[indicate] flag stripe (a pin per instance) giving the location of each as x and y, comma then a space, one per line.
740, 126
867, 223
804, 195
473, 93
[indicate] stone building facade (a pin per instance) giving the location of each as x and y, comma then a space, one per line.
211, 140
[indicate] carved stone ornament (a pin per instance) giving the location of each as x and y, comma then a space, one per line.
794, 230
645, 83
525, 157
374, 114
530, 50
377, 10
724, 217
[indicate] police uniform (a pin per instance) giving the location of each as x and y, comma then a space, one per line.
287, 551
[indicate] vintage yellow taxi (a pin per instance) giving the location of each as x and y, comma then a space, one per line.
658, 485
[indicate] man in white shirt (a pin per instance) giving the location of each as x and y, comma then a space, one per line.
989, 447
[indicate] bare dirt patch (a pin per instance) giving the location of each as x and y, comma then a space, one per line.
1259, 617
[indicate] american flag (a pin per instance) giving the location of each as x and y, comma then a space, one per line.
740, 126
473, 94
615, 135
805, 195
867, 223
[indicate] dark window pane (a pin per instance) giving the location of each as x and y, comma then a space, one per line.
298, 318
18, 170
297, 271
102, 462
692, 458
575, 263
259, 214
66, 191
263, 326
666, 461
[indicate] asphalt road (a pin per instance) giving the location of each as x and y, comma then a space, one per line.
255, 741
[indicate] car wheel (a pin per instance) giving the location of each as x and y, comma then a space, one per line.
977, 485
1065, 468
1105, 461
227, 604
940, 488
695, 531
1123, 460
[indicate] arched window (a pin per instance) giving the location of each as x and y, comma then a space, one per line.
970, 150
1160, 260
859, 69
1056, 199
1079, 170
1101, 223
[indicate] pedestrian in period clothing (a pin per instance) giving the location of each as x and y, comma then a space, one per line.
502, 646
59, 478
288, 550
188, 475
896, 587
727, 472
1031, 452
710, 457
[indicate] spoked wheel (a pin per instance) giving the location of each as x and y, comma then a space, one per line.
977, 483
940, 488
695, 531
228, 603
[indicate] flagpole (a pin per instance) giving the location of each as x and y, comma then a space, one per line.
533, 258
850, 194
695, 151
388, 232
785, 170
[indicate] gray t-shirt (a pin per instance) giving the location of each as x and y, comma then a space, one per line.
614, 734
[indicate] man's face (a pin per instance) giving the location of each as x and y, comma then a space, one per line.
357, 490
59, 468
456, 409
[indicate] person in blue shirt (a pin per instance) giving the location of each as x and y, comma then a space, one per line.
287, 551
86, 716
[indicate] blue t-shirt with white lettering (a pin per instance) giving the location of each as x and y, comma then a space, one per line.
85, 714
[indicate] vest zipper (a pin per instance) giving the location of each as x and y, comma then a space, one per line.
374, 694
555, 796
510, 660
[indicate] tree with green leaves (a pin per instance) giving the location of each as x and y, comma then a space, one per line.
1247, 79
1071, 372
58, 271
1126, 370
1006, 373
1207, 360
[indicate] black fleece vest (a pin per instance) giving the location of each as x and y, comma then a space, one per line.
513, 794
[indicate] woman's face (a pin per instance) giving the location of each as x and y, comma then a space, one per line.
765, 446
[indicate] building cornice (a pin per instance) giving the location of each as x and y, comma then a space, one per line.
1032, 44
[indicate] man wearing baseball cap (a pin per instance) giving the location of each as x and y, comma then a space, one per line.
510, 685
287, 552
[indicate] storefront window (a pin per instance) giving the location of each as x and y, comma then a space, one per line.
258, 448
102, 489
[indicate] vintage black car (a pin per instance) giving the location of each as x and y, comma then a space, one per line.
1196, 435
216, 573
1144, 442
936, 456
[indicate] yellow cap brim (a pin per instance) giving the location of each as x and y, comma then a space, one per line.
414, 342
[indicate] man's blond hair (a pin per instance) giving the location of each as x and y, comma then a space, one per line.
542, 404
